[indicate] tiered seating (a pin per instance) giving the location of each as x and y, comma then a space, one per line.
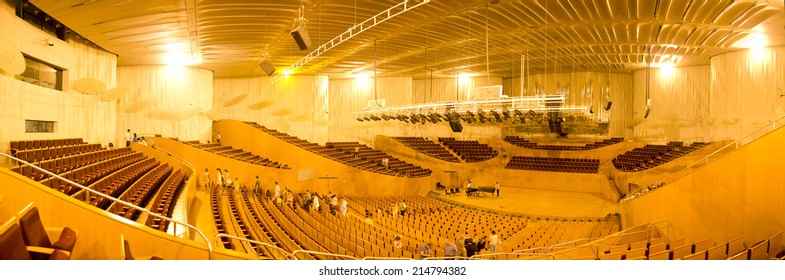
653, 155
24, 145
115, 184
162, 203
267, 229
546, 233
140, 192
219, 219
95, 171
470, 150
238, 154
369, 159
428, 147
520, 142
305, 235
428, 220
572, 165
67, 163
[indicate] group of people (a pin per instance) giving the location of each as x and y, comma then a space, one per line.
135, 139
464, 247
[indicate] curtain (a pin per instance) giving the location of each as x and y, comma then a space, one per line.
165, 100
679, 104
746, 90
76, 115
585, 89
303, 99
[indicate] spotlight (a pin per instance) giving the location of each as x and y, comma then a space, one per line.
413, 118
506, 113
387, 117
481, 116
496, 116
375, 118
360, 119
367, 118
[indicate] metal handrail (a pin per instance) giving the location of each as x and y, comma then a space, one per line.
596, 248
475, 257
678, 174
287, 254
204, 237
564, 244
323, 254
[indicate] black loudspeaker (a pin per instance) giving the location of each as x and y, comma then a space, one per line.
300, 35
456, 126
267, 66
648, 110
608, 106
455, 122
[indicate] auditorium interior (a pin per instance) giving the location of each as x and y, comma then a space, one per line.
367, 129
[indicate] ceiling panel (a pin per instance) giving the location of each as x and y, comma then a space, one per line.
230, 37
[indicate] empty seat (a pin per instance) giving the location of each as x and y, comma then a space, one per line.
12, 246
130, 257
36, 235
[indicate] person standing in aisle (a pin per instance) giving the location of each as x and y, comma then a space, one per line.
128, 138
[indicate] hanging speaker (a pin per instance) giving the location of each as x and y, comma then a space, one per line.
267, 66
648, 110
300, 35
608, 105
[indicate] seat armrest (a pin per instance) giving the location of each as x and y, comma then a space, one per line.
34, 250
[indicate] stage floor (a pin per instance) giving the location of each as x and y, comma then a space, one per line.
543, 203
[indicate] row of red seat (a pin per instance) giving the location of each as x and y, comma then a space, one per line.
40, 144
469, 150
140, 191
428, 147
162, 203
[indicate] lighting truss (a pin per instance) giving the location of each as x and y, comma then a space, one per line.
392, 12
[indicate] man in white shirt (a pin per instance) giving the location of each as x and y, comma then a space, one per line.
277, 190
128, 138
497, 188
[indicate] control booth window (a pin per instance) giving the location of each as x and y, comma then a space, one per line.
42, 74
36, 126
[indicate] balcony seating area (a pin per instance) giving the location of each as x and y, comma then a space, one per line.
236, 153
26, 145
571, 165
523, 143
371, 160
69, 163
650, 156
469, 150
428, 147
117, 172
163, 202
344, 152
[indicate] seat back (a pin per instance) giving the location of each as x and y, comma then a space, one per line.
33, 230
775, 245
12, 245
